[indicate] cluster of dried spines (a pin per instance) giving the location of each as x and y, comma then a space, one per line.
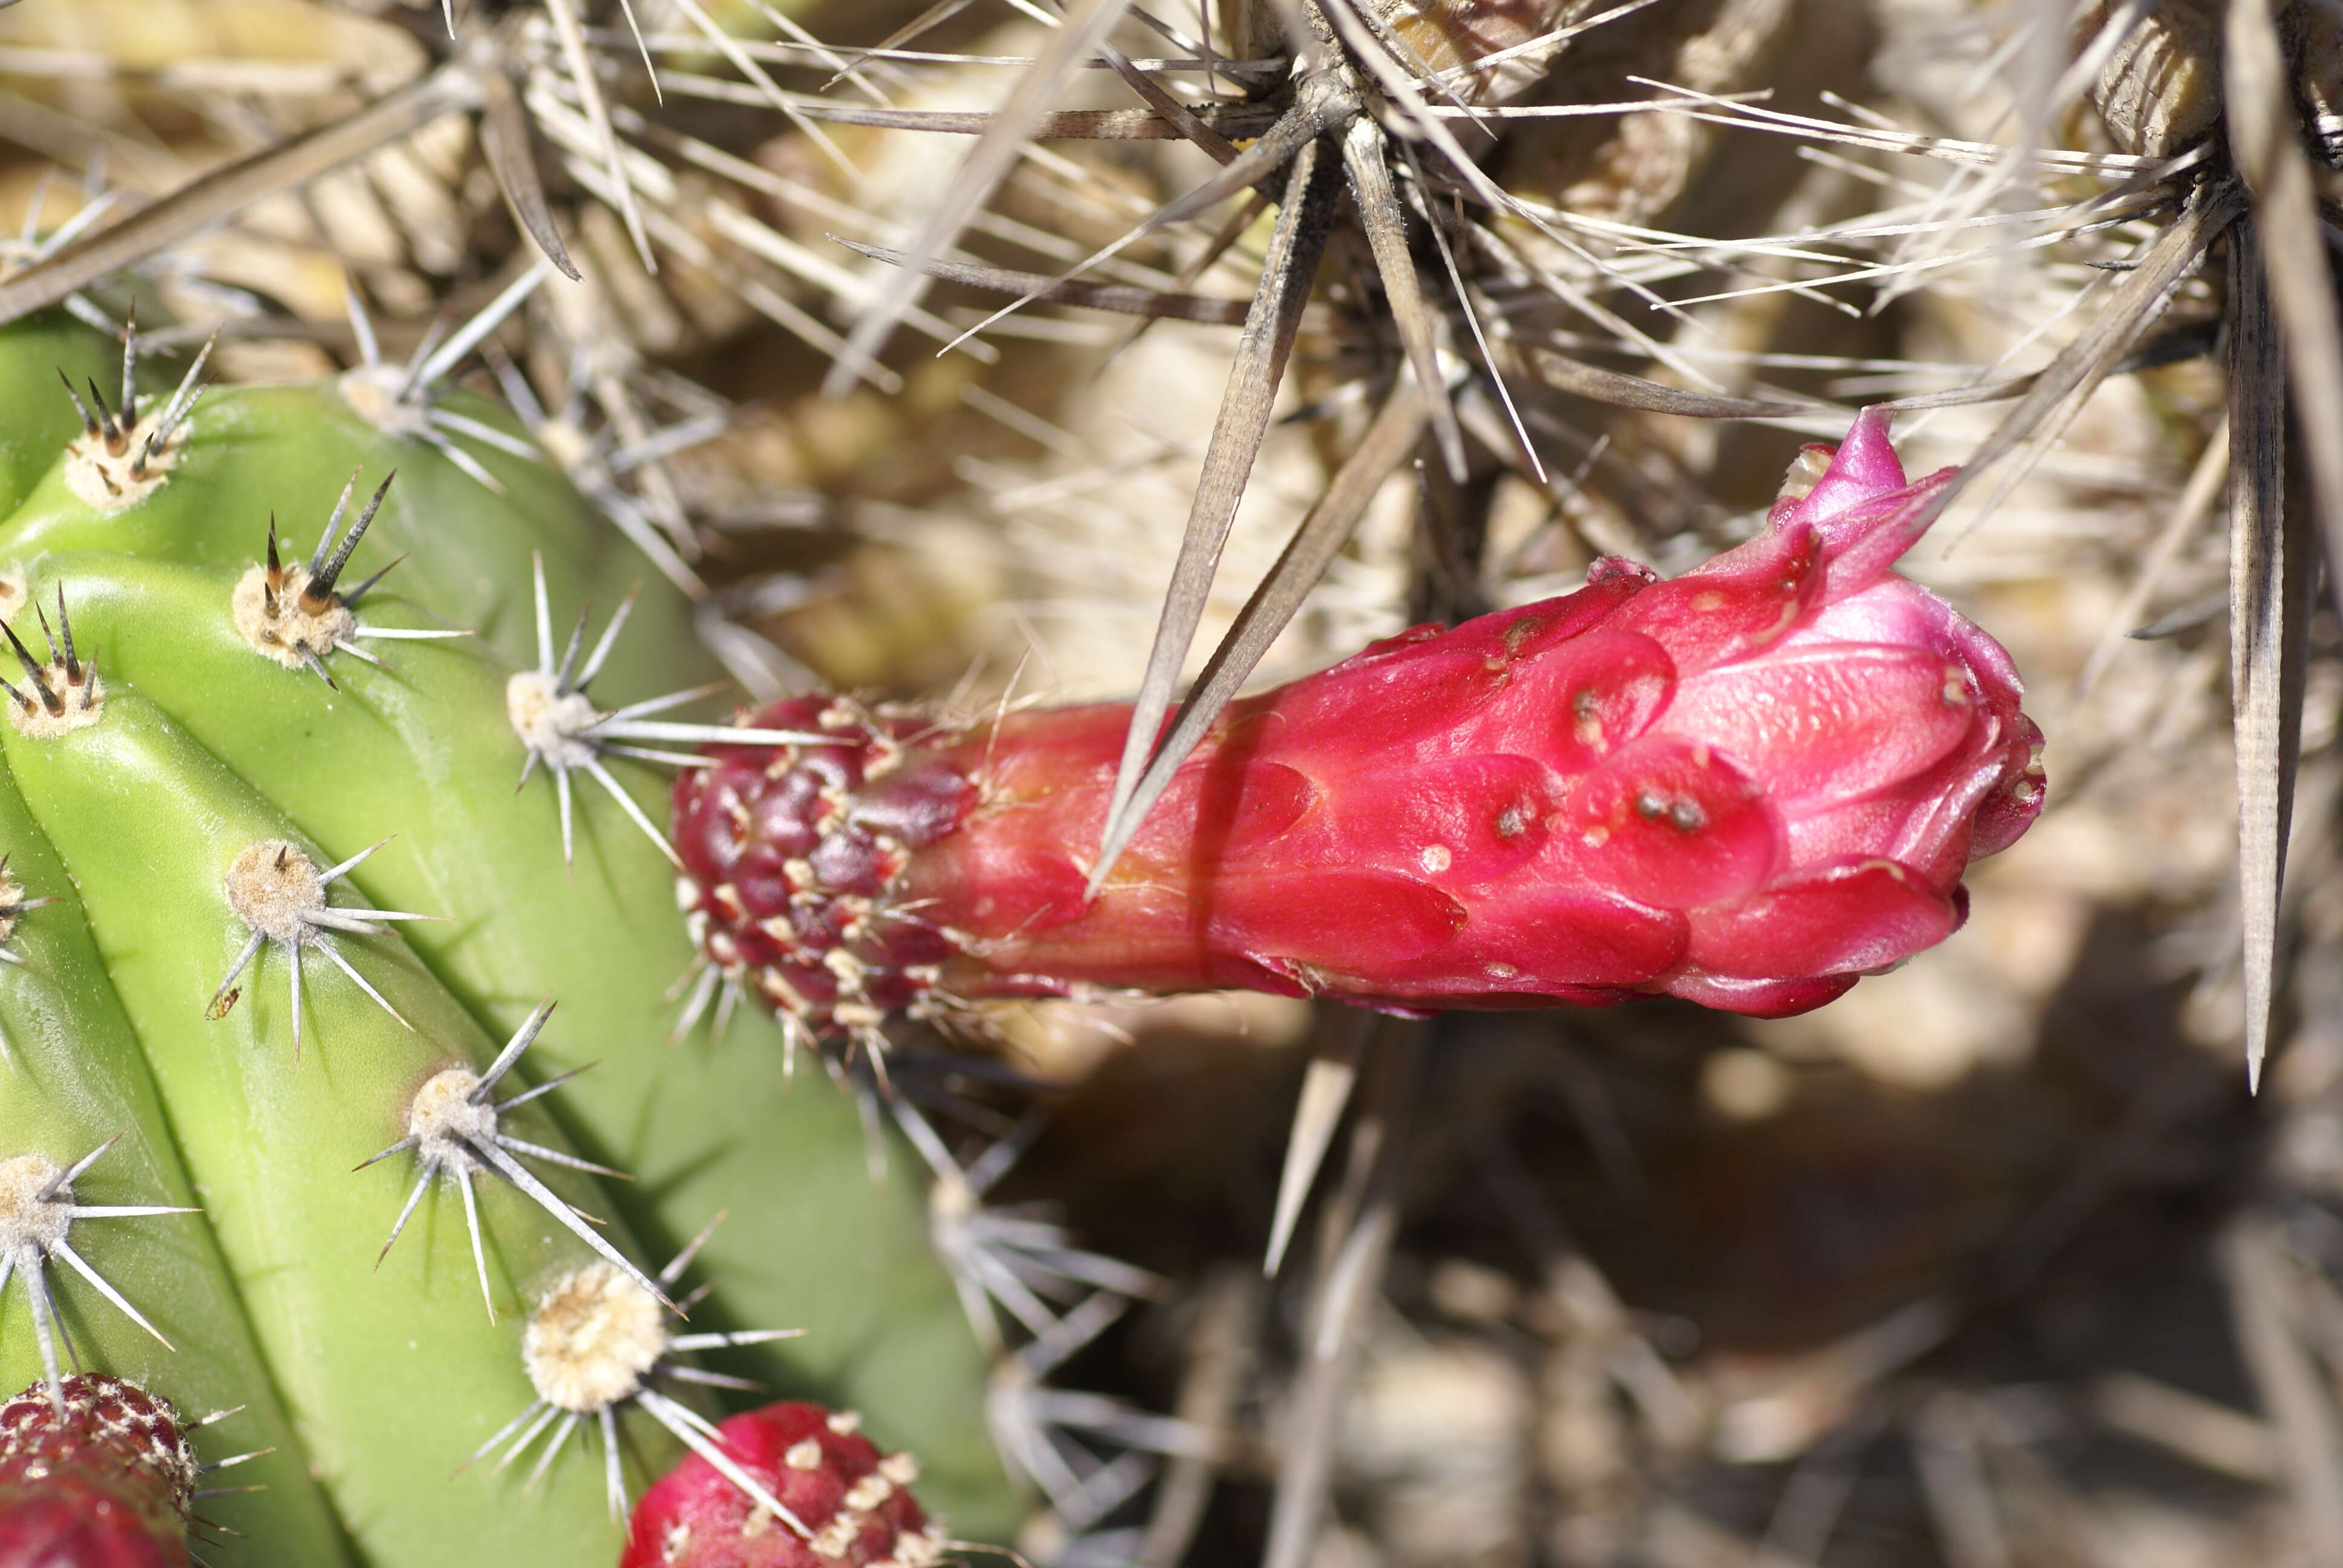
792, 861
818, 1471
125, 452
300, 615
61, 692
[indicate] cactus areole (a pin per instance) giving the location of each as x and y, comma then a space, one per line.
292, 1130
1746, 786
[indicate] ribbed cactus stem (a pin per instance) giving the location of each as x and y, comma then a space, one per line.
1746, 787
268, 904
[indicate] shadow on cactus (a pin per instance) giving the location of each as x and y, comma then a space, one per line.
227, 756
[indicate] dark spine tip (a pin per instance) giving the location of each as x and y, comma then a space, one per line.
47, 635
33, 672
274, 579
379, 573
88, 421
130, 368
64, 635
319, 592
112, 431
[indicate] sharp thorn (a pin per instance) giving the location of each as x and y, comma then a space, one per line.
33, 672
88, 421
319, 591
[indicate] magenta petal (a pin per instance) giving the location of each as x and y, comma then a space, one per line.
1611, 582
1732, 608
1936, 838
1833, 723
1414, 697
1350, 922
1863, 468
1862, 543
1223, 809
1671, 824
1548, 940
1579, 700
1845, 919
1583, 937
1458, 823
2011, 810
1759, 998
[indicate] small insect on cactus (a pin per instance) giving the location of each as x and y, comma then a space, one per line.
1746, 786
292, 1125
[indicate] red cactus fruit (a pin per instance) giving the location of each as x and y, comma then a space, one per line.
852, 1505
106, 1485
1746, 786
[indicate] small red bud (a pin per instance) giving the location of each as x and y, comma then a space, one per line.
105, 1487
854, 1500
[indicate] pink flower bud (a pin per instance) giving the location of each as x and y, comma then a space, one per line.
1746, 786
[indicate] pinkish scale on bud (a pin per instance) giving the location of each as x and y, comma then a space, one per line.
1746, 786
852, 1500
107, 1486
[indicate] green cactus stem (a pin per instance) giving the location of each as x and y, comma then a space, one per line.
302, 940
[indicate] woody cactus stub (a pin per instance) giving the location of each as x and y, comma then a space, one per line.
1746, 787
292, 1124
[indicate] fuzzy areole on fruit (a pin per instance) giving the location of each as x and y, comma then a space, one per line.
817, 1462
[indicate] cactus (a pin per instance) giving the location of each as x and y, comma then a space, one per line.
1744, 786
286, 947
